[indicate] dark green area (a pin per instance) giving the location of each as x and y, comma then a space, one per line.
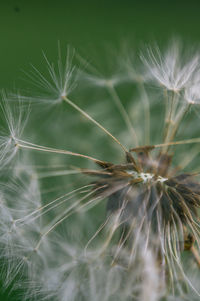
27, 27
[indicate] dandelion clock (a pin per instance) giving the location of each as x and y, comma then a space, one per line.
100, 186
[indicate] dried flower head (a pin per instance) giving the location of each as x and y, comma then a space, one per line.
115, 218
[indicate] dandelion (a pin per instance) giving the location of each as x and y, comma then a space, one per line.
192, 94
61, 79
170, 70
14, 121
112, 223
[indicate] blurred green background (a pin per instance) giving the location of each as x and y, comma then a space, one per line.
27, 27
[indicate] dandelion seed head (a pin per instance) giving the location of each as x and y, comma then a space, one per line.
109, 229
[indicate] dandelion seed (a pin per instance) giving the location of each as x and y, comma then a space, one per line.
170, 70
192, 94
15, 119
61, 81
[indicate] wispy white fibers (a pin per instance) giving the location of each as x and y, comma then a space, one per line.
102, 202
60, 80
19, 196
192, 94
73, 275
150, 289
175, 69
13, 121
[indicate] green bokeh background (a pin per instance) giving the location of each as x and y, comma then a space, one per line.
27, 27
